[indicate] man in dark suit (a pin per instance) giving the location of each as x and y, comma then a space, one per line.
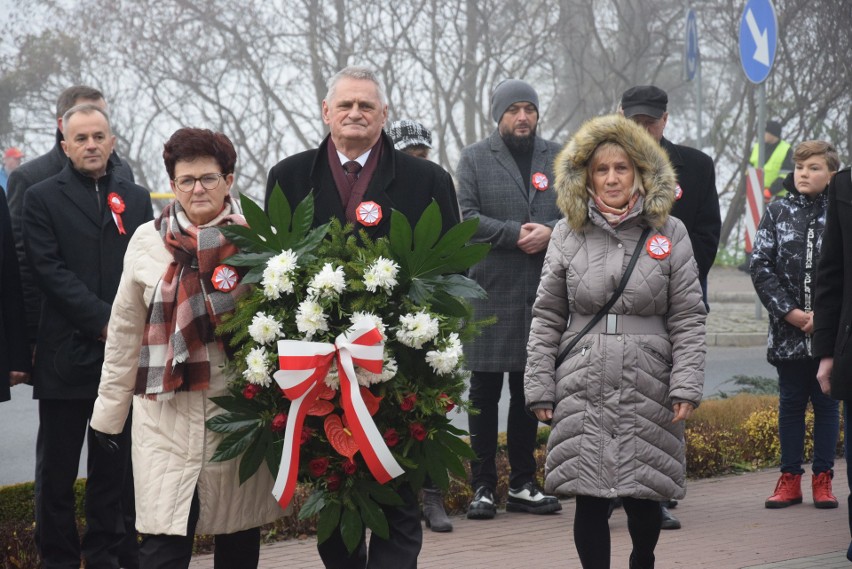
37, 170
76, 227
357, 176
696, 201
506, 181
14, 351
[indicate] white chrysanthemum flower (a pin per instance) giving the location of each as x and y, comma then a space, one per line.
381, 274
310, 318
277, 275
416, 329
445, 360
329, 282
275, 283
367, 378
368, 320
389, 370
264, 329
332, 379
284, 262
257, 367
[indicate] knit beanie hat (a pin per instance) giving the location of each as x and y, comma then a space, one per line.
773, 128
509, 92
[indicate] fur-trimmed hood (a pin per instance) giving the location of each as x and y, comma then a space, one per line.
651, 161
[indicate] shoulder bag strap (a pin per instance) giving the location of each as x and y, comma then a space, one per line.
639, 244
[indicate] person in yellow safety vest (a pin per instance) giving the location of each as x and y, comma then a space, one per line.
778, 161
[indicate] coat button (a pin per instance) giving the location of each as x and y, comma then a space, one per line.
618, 338
620, 245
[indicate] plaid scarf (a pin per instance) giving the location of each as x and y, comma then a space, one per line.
186, 308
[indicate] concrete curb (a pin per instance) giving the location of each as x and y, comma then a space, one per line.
731, 296
735, 340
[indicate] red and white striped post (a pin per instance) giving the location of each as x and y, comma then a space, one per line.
754, 205
754, 210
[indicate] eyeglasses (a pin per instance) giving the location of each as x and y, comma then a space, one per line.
208, 182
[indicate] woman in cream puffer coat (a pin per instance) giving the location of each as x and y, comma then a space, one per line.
618, 400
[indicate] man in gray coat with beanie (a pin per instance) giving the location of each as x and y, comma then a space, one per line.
505, 181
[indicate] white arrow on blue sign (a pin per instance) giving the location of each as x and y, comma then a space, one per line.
691, 46
758, 39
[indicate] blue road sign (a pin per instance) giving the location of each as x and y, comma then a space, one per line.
758, 38
691, 45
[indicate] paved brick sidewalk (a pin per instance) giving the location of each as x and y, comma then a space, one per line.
725, 526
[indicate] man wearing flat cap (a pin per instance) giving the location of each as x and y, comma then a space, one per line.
411, 137
696, 201
779, 161
506, 181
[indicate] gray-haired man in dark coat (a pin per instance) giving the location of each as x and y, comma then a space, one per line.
505, 181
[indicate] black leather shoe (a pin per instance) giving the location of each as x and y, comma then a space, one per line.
483, 506
669, 521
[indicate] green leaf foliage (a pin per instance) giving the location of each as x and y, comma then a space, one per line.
234, 445
371, 514
231, 422
253, 456
351, 528
329, 521
312, 505
279, 209
383, 493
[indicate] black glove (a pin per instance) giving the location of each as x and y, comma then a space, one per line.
108, 442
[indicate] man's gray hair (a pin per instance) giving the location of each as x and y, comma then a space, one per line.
86, 109
360, 73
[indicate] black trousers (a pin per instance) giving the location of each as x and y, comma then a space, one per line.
591, 531
239, 550
109, 487
399, 551
485, 388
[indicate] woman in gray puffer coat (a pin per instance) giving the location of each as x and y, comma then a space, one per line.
618, 400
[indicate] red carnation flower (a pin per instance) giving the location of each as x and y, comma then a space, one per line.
251, 390
408, 403
418, 432
333, 482
448, 403
306, 435
279, 422
391, 437
349, 467
318, 466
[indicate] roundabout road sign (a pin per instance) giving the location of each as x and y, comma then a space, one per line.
758, 37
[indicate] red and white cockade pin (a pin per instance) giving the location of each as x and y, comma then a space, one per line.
540, 181
225, 278
659, 247
368, 213
116, 204
678, 192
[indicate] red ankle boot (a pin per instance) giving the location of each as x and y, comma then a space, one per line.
823, 498
788, 491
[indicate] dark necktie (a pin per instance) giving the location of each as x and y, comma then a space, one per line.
352, 168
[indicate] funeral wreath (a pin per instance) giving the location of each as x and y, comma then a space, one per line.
346, 359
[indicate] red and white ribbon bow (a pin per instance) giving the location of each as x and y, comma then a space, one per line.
304, 366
